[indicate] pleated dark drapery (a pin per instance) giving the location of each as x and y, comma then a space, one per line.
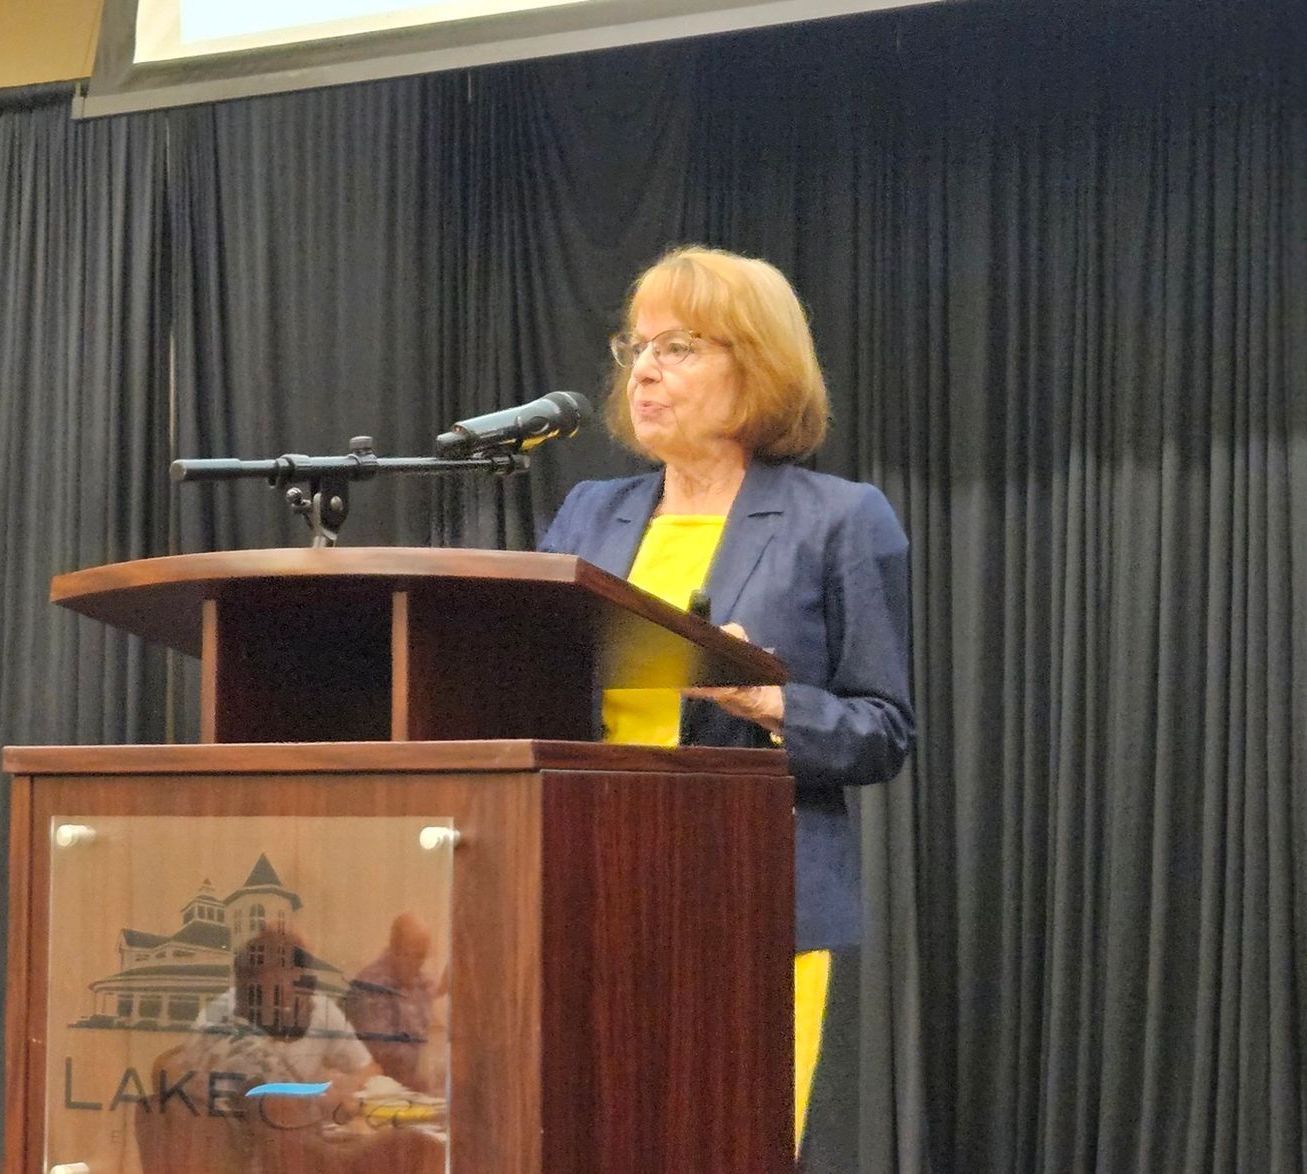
83, 413
83, 409
1057, 269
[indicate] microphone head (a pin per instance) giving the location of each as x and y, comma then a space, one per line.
576, 408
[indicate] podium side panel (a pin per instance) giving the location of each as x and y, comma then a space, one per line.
668, 973
18, 977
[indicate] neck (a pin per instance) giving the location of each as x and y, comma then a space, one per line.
706, 485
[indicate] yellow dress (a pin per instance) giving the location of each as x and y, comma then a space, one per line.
672, 562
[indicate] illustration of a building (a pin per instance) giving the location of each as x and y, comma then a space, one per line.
166, 981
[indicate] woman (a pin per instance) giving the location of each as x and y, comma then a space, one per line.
717, 381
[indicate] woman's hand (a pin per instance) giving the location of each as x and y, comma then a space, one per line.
763, 705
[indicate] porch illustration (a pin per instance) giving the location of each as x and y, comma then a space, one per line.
165, 981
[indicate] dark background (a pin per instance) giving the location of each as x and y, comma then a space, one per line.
1056, 260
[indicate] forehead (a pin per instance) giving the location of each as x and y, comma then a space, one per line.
655, 320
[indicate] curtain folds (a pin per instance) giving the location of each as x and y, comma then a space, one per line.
308, 309
83, 413
1057, 272
83, 410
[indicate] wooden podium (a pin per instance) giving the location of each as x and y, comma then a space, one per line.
621, 918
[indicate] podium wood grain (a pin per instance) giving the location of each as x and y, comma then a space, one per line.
363, 644
622, 918
621, 988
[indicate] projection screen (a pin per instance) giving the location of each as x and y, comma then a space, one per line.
159, 53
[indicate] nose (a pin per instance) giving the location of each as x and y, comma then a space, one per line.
645, 368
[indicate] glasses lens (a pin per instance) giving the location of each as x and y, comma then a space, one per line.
673, 347
669, 348
626, 349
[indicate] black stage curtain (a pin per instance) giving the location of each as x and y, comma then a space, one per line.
83, 412
83, 409
1057, 269
307, 309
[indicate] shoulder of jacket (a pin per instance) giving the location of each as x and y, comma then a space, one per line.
598, 493
838, 492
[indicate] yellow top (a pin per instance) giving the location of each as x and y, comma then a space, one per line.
672, 561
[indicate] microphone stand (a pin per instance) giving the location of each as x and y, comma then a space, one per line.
326, 504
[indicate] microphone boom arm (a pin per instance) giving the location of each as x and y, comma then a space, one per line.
326, 504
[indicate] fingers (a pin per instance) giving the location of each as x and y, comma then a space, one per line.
762, 704
734, 699
734, 629
722, 694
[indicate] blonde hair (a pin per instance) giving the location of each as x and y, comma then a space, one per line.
782, 408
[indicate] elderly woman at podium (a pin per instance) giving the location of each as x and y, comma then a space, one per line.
717, 381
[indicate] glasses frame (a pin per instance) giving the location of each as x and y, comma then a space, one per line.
621, 343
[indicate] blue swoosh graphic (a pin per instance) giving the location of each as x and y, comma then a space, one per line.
288, 1090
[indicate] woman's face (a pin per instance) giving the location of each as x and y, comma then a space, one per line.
680, 411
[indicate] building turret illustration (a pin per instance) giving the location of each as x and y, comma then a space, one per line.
204, 906
261, 903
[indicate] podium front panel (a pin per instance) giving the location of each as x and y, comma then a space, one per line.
240, 994
594, 887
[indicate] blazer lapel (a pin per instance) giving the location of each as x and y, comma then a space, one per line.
617, 545
752, 523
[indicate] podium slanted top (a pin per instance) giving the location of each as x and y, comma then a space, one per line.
639, 641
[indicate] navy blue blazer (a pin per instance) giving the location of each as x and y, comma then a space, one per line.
816, 568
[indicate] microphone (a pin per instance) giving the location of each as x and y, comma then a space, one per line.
560, 413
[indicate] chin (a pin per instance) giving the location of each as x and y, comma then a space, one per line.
651, 440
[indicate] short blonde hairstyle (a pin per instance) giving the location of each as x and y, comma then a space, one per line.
747, 303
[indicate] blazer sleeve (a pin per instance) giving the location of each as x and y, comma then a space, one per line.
860, 727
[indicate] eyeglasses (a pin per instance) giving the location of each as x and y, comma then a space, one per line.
668, 348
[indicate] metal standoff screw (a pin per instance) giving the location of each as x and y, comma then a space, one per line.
431, 838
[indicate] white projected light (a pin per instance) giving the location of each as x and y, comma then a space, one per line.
158, 53
171, 30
